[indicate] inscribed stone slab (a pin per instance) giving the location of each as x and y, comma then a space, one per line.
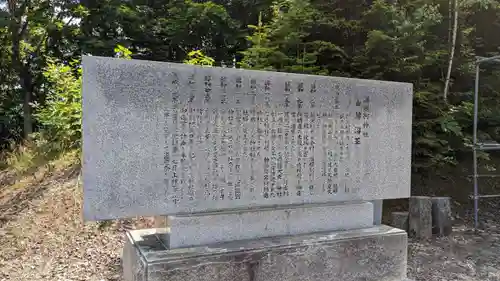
164, 138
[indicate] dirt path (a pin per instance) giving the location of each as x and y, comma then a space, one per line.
45, 239
462, 256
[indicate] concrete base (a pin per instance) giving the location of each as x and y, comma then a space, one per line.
211, 228
372, 254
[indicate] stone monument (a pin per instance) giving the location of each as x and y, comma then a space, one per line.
263, 176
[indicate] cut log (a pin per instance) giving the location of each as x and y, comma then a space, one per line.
400, 220
420, 217
441, 216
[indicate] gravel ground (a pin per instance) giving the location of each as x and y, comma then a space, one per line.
464, 255
42, 237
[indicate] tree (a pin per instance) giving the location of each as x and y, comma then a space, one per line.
289, 42
261, 55
10, 113
32, 26
162, 30
452, 49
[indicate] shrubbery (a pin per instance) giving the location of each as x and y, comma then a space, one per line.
59, 118
61, 115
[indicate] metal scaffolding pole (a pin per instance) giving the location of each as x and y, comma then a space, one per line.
478, 145
474, 144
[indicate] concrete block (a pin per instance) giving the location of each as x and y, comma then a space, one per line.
214, 228
400, 220
372, 254
441, 216
420, 217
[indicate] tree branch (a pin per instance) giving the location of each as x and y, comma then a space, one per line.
12, 6
46, 35
16, 17
23, 29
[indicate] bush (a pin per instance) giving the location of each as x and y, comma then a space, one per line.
197, 57
61, 115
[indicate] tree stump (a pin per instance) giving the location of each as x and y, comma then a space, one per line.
420, 217
400, 220
441, 216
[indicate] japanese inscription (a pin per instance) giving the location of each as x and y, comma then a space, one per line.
164, 138
261, 146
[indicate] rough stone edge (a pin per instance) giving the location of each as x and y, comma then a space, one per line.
134, 264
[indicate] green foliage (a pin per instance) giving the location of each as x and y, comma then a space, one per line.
61, 114
197, 57
432, 135
122, 52
405, 42
160, 30
260, 55
397, 45
283, 44
10, 117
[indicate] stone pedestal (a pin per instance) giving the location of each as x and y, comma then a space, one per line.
371, 254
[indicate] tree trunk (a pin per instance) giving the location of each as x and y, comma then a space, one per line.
450, 28
26, 84
452, 51
17, 30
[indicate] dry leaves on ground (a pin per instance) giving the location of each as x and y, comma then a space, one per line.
44, 238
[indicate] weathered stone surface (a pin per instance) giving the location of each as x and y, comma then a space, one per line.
378, 207
399, 220
372, 254
164, 138
420, 217
441, 216
214, 228
133, 263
